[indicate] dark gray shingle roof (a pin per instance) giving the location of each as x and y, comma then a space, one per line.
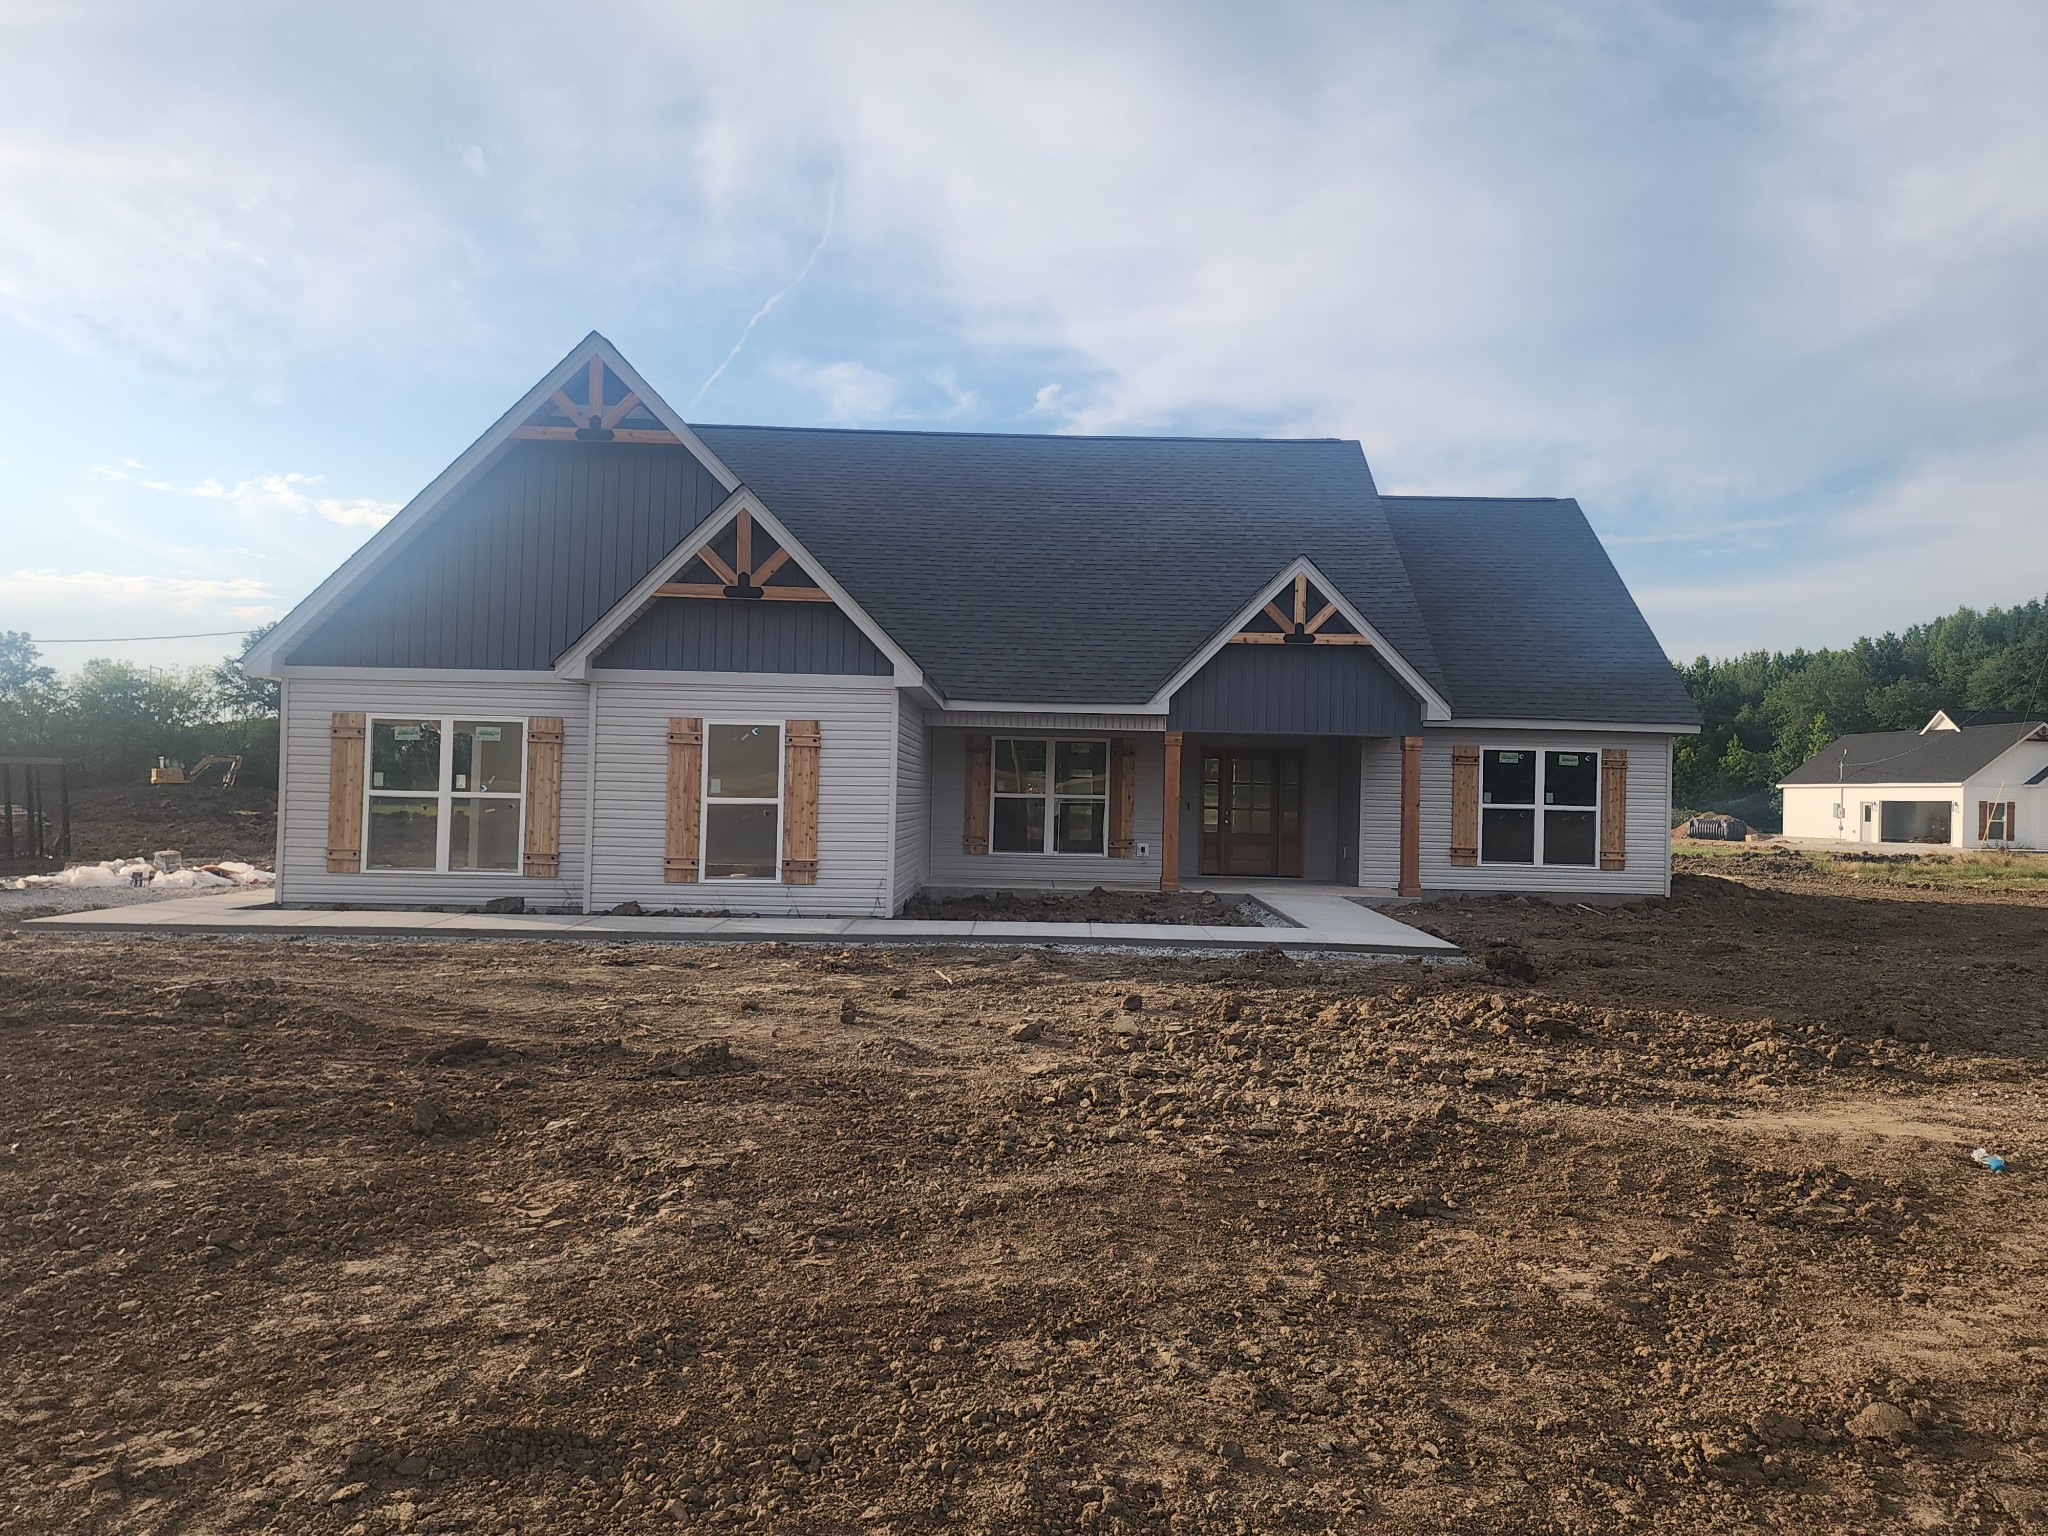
1072, 569
1088, 569
1910, 757
1528, 615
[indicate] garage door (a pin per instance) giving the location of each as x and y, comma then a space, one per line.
1914, 821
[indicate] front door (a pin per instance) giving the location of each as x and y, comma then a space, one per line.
1251, 811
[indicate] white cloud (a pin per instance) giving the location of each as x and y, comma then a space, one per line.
267, 495
853, 392
119, 599
1970, 523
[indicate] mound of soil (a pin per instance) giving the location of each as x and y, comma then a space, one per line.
1182, 908
202, 821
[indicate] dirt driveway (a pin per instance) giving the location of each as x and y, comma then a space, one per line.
1667, 1223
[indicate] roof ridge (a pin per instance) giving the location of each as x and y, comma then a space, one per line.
1036, 437
1430, 496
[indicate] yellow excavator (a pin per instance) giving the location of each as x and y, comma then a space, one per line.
169, 771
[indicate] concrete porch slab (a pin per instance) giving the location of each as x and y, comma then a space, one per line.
1325, 922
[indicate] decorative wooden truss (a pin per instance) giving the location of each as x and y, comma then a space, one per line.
1315, 621
599, 408
743, 561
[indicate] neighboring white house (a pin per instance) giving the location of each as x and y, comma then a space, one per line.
1963, 780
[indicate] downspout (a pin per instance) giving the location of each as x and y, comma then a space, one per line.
284, 758
590, 797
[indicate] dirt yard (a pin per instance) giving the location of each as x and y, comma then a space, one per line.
1665, 1222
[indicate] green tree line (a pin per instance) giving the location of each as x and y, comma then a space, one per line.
113, 719
1766, 712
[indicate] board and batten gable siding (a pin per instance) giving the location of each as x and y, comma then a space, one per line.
1648, 871
1294, 690
857, 727
310, 707
954, 869
913, 801
523, 561
687, 634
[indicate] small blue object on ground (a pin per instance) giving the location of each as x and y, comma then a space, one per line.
1990, 1160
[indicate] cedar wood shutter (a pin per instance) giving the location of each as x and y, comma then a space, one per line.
800, 802
345, 793
1464, 806
974, 835
1983, 819
544, 796
1614, 808
685, 776
1123, 795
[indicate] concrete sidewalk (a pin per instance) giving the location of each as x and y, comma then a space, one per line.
1325, 921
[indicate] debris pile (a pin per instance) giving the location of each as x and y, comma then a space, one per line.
139, 874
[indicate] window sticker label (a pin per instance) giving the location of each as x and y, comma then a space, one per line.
717, 785
462, 781
405, 733
377, 780
497, 733
1567, 759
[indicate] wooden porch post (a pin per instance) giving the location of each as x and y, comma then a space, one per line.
1411, 816
1169, 815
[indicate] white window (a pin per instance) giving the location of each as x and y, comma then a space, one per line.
1050, 796
445, 794
742, 801
1539, 807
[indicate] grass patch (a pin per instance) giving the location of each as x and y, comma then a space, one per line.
1992, 867
1687, 848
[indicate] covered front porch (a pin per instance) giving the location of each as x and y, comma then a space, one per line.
1318, 809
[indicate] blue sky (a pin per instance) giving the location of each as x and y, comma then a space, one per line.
1762, 286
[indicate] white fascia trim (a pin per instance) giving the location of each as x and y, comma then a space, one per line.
262, 659
1434, 705
1957, 785
420, 674
1609, 726
978, 707
575, 661
847, 682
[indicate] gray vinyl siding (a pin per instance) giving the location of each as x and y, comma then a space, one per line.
1648, 871
684, 634
857, 728
1379, 814
311, 705
1334, 690
913, 801
521, 562
953, 869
